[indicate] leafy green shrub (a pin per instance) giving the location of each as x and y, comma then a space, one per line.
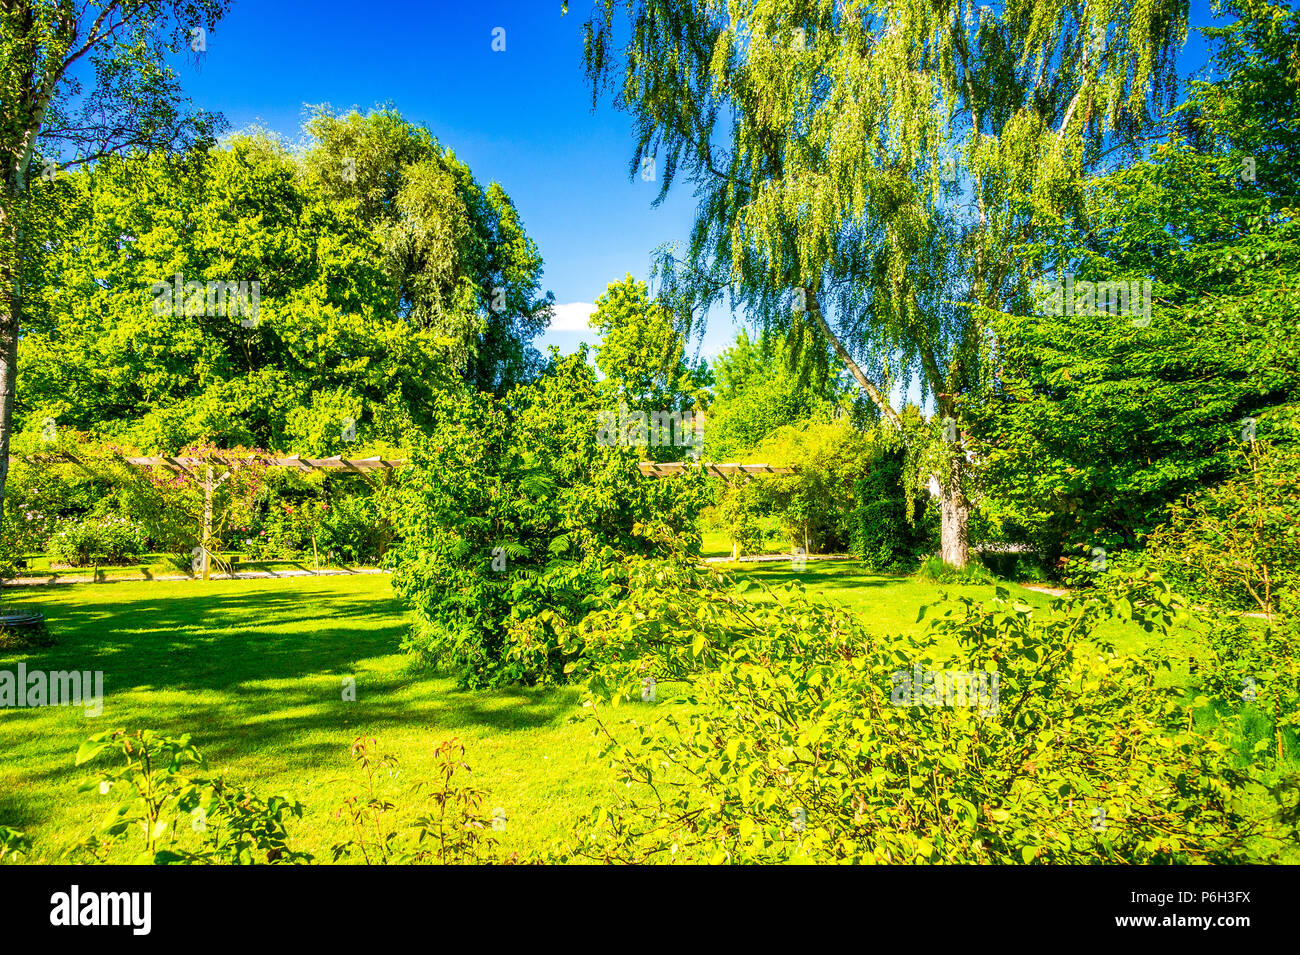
14, 844
1255, 666
181, 817
1237, 545
879, 530
933, 570
514, 521
1011, 565
82, 542
289, 530
354, 530
814, 504
743, 511
456, 830
795, 744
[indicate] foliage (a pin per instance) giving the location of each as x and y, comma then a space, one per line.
815, 503
14, 844
764, 385
354, 529
741, 510
156, 786
100, 540
791, 747
287, 531
513, 519
1092, 426
845, 495
455, 831
1237, 544
879, 531
874, 169
934, 570
456, 255
642, 358
365, 304
1256, 668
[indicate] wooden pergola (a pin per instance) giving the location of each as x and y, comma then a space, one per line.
728, 472
191, 465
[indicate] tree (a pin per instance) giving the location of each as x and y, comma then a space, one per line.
312, 343
762, 385
516, 522
643, 359
1093, 423
879, 166
331, 354
461, 263
133, 102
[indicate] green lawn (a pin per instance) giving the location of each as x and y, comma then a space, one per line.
254, 670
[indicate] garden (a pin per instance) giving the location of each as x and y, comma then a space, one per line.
975, 541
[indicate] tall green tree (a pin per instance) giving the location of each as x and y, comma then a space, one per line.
1093, 424
880, 165
337, 351
114, 347
458, 255
78, 82
643, 359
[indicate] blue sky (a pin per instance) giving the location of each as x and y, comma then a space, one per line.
521, 117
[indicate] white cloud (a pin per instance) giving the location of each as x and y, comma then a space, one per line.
571, 317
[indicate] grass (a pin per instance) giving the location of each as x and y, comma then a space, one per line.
254, 670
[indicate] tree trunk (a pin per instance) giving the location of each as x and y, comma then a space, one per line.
865, 383
955, 516
954, 507
10, 312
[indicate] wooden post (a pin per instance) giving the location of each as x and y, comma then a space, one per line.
735, 544
207, 520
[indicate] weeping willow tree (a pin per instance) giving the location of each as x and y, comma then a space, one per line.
881, 172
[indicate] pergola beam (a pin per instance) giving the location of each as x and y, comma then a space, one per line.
727, 471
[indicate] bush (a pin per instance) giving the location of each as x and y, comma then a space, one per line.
1254, 668
879, 530
514, 522
933, 570
354, 530
455, 829
179, 815
1237, 545
287, 531
87, 541
799, 741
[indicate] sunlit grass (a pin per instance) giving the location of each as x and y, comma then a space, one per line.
255, 671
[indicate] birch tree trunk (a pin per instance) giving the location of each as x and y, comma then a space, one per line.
954, 508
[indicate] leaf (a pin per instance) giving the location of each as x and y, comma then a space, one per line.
90, 749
